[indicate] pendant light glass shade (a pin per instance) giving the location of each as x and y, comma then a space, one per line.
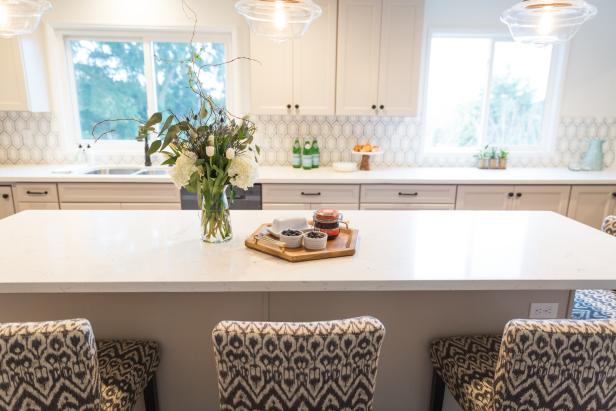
19, 17
279, 19
547, 21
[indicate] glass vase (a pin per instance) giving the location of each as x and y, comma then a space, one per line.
215, 218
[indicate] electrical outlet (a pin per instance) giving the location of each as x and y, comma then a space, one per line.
543, 311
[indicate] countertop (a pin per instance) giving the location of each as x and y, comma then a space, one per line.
160, 251
325, 175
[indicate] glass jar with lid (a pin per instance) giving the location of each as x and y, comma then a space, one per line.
328, 221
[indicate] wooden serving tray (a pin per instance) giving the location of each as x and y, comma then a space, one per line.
343, 245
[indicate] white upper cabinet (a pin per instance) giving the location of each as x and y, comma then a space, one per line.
379, 49
23, 85
359, 34
299, 76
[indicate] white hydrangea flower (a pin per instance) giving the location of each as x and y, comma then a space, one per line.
210, 151
185, 167
230, 153
243, 171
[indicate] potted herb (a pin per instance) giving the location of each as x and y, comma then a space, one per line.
483, 158
493, 158
502, 159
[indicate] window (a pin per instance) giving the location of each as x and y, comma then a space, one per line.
488, 90
130, 79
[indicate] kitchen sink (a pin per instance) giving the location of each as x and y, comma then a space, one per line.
113, 171
153, 172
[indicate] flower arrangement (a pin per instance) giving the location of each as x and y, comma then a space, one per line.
211, 151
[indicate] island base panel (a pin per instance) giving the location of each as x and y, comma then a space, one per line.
182, 323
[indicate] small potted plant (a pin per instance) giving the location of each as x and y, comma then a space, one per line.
493, 158
483, 158
502, 159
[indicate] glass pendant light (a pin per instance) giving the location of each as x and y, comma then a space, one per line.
547, 21
279, 19
19, 17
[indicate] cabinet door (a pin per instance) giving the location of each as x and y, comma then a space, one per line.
281, 206
359, 33
12, 81
400, 53
335, 206
271, 77
6, 202
484, 198
542, 198
90, 206
36, 206
407, 207
314, 65
591, 204
151, 206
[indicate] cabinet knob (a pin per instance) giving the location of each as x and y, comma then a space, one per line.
382, 107
5, 196
518, 195
614, 195
289, 106
297, 107
374, 107
510, 195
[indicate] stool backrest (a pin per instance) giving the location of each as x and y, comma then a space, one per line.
48, 366
297, 366
560, 365
609, 225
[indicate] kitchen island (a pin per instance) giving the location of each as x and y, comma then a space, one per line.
425, 274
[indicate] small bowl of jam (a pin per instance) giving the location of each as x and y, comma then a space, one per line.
328, 221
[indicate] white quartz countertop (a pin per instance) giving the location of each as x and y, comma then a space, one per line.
160, 251
326, 175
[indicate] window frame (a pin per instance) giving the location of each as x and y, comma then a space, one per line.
553, 99
147, 38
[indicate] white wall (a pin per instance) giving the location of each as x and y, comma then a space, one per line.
590, 85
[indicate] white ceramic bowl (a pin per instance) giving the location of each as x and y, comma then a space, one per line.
292, 241
315, 243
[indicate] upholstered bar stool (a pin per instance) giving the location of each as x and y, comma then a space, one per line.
56, 365
297, 366
563, 365
596, 304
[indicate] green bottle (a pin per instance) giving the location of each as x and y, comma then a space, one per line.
296, 161
316, 154
307, 156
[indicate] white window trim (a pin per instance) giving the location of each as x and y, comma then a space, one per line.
62, 71
554, 96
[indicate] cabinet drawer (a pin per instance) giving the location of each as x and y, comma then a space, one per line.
408, 194
36, 206
310, 193
407, 206
118, 193
36, 193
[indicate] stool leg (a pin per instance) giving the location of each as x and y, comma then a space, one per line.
438, 392
150, 395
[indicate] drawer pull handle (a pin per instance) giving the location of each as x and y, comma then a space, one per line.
401, 194
37, 193
311, 194
5, 196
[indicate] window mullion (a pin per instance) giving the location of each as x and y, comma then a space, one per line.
150, 80
485, 111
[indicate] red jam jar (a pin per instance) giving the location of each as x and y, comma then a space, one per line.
328, 221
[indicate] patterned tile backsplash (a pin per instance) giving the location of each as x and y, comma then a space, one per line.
32, 138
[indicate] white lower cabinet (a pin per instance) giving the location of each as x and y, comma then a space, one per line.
407, 207
120, 206
7, 207
23, 206
591, 204
309, 206
485, 198
542, 198
505, 197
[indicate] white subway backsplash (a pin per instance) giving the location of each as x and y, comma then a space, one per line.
32, 138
